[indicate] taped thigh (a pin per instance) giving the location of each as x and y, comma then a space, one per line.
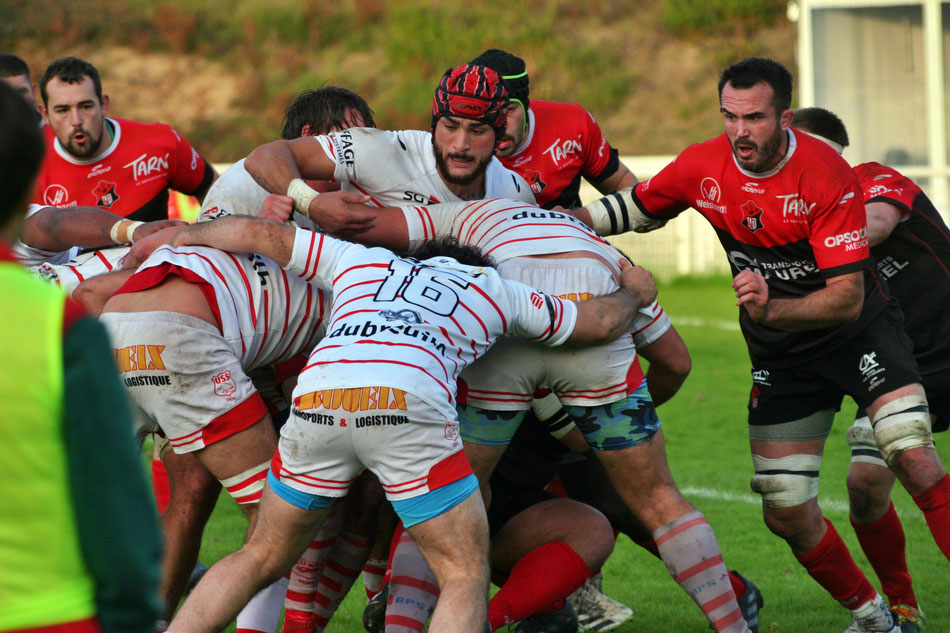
902, 424
787, 481
248, 486
862, 443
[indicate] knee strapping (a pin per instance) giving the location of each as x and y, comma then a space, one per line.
786, 481
900, 425
248, 486
863, 445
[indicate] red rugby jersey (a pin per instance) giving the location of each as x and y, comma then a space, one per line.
130, 179
797, 225
563, 143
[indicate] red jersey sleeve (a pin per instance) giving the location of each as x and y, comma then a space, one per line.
888, 185
190, 167
664, 195
839, 231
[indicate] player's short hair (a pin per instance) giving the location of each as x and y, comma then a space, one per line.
324, 109
821, 122
753, 70
511, 69
71, 70
449, 246
13, 66
21, 152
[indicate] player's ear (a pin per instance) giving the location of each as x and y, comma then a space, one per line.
105, 104
786, 119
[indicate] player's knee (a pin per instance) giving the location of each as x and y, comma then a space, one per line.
786, 482
900, 425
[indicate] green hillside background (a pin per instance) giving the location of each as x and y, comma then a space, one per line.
222, 72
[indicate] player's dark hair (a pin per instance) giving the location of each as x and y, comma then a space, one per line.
753, 70
511, 68
821, 122
21, 152
324, 109
71, 70
449, 247
13, 66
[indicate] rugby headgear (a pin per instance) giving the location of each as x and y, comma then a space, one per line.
511, 69
472, 92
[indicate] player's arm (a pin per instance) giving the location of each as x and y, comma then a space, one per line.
274, 165
670, 364
605, 318
883, 218
839, 301
241, 234
620, 179
55, 229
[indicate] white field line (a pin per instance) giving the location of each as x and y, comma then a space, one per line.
838, 505
732, 326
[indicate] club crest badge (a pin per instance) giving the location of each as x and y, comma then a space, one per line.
753, 216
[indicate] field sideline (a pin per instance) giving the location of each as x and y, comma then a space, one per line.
708, 451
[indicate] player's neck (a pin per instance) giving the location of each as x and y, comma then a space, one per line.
108, 133
472, 191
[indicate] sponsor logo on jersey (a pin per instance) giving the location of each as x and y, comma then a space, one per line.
343, 147
380, 420
194, 159
871, 370
213, 213
55, 196
751, 187
146, 165
314, 418
795, 209
754, 396
98, 170
536, 300
561, 150
852, 240
711, 191
369, 330
352, 400
576, 296
761, 376
224, 385
406, 316
414, 196
105, 194
147, 381
534, 181
783, 270
753, 216
542, 214
888, 266
139, 358
879, 190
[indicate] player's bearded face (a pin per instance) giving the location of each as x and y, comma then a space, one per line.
755, 129
76, 115
762, 154
463, 149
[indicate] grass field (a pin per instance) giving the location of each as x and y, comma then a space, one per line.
708, 452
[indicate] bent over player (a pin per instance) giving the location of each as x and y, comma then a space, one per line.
380, 392
787, 210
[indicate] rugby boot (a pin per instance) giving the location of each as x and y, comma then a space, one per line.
750, 602
911, 620
596, 611
374, 615
564, 620
879, 619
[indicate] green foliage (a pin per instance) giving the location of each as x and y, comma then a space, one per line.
708, 16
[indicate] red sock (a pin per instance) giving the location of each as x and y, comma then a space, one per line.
738, 587
830, 564
160, 486
546, 574
883, 543
935, 503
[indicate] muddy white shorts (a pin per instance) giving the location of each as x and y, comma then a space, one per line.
182, 375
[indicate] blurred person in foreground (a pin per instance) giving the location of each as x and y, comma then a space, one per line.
79, 543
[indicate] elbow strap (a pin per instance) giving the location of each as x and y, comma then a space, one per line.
618, 213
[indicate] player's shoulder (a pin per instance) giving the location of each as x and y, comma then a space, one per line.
501, 182
876, 171
880, 180
133, 130
705, 155
815, 156
561, 108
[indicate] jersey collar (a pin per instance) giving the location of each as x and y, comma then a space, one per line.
116, 135
792, 144
528, 135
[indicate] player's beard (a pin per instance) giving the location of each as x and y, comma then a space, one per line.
766, 151
441, 161
85, 149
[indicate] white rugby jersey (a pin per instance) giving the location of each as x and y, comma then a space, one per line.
71, 273
414, 326
236, 192
396, 168
266, 315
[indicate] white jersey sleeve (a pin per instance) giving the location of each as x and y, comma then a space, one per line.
71, 273
501, 182
651, 323
538, 316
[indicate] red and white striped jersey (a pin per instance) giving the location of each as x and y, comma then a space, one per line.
266, 315
69, 274
503, 229
414, 325
396, 168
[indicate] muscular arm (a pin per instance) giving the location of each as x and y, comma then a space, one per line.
883, 218
275, 164
55, 229
603, 319
670, 364
620, 179
839, 301
242, 234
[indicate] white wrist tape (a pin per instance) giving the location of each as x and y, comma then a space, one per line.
302, 194
618, 213
121, 232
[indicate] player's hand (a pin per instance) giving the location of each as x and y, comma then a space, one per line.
277, 207
144, 230
638, 280
752, 293
336, 214
144, 247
